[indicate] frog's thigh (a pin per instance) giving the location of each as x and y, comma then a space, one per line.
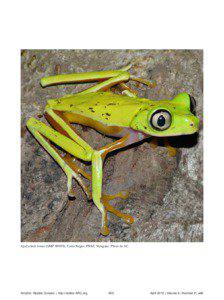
43, 133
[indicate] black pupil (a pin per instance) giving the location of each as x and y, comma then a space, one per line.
161, 121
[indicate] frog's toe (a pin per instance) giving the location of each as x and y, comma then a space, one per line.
129, 219
109, 208
172, 151
71, 193
104, 230
121, 195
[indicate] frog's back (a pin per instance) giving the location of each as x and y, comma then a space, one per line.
106, 107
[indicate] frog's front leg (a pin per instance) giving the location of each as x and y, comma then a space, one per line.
102, 201
97, 175
106, 202
171, 150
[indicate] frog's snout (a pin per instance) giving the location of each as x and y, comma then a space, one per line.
192, 123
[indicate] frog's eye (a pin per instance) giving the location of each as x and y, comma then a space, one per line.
192, 105
161, 120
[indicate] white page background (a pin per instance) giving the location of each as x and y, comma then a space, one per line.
134, 272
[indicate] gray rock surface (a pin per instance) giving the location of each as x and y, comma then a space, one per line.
166, 193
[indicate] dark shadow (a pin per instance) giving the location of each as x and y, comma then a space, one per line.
184, 141
135, 145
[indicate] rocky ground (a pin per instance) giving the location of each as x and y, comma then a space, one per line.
166, 193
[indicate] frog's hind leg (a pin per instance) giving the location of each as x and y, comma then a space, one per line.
149, 83
70, 160
77, 170
107, 84
106, 78
44, 135
126, 90
76, 146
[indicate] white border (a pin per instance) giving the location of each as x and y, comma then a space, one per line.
117, 24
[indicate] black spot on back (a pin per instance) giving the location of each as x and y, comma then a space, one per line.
91, 109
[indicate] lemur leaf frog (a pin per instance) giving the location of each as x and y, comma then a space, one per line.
124, 116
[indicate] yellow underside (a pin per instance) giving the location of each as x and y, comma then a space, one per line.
99, 126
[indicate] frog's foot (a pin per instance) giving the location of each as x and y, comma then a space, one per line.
105, 229
70, 175
149, 83
107, 207
74, 171
121, 194
154, 143
105, 200
171, 150
127, 90
71, 161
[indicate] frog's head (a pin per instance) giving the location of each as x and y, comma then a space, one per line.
168, 117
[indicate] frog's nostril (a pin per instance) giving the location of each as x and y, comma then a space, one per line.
192, 124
